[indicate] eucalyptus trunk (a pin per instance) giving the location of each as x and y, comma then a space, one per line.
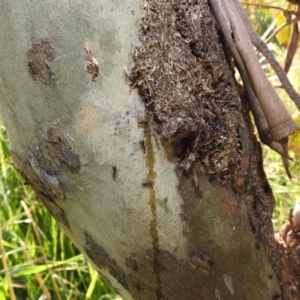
132, 132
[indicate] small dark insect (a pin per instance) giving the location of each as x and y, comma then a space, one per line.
31, 68
148, 184
142, 146
132, 262
114, 172
142, 123
195, 178
215, 76
202, 260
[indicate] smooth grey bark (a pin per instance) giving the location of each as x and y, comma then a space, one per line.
90, 152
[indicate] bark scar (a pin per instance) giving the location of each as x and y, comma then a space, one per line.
47, 176
62, 148
39, 56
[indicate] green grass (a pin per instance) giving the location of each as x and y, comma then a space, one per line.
37, 258
286, 192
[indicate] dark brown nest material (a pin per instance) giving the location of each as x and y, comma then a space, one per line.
183, 77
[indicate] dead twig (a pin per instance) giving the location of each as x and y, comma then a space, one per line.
288, 22
293, 44
262, 47
284, 10
273, 121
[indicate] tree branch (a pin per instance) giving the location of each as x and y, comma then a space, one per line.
262, 47
273, 121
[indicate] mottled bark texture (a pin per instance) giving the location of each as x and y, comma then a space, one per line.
125, 119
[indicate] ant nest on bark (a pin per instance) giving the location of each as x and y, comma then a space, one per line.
183, 77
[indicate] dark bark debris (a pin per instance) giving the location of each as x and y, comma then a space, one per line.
39, 57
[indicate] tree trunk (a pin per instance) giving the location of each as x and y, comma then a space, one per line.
153, 172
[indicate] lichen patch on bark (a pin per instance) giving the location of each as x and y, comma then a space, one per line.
42, 169
180, 72
101, 259
46, 191
140, 277
46, 174
176, 276
45, 161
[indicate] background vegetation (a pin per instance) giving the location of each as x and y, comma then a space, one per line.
37, 259
267, 18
